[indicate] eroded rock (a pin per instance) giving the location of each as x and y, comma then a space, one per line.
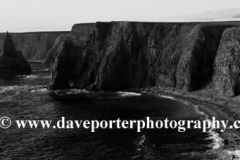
34, 46
12, 61
227, 64
122, 55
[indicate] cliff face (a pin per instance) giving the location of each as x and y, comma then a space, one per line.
227, 63
52, 53
121, 55
34, 46
12, 61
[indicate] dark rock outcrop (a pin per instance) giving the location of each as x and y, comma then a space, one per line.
56, 48
34, 46
195, 67
122, 55
227, 64
12, 61
61, 70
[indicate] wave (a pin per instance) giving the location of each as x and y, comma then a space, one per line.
37, 76
39, 90
8, 88
168, 97
41, 70
235, 153
16, 89
141, 140
31, 77
214, 136
196, 109
128, 94
139, 146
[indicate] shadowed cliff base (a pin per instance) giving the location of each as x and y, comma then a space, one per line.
123, 55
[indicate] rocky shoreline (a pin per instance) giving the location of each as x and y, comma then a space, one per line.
211, 105
224, 107
227, 106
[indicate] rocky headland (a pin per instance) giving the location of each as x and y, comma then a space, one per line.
197, 62
12, 62
200, 60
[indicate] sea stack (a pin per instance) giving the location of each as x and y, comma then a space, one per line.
12, 62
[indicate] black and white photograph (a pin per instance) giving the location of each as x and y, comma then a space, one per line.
120, 80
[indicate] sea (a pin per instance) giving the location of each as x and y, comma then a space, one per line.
27, 98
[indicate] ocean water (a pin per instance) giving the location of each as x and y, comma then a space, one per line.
24, 97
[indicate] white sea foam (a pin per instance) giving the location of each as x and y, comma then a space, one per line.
44, 70
217, 140
18, 89
43, 90
142, 140
214, 136
31, 77
39, 90
196, 109
6, 88
236, 153
184, 102
41, 70
128, 94
168, 97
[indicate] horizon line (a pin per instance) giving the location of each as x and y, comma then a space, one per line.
170, 21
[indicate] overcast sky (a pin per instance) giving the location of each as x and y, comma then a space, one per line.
48, 15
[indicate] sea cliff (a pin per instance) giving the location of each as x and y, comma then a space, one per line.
123, 55
196, 62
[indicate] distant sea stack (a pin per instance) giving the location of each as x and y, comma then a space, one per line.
12, 62
123, 55
33, 45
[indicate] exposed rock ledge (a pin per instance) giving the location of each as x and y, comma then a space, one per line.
121, 55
